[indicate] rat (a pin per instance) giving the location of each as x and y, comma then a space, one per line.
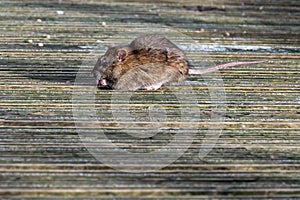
147, 63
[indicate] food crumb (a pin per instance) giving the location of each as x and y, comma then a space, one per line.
227, 34
202, 30
60, 12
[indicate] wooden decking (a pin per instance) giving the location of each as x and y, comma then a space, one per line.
44, 44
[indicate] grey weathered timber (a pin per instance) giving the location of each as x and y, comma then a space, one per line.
43, 44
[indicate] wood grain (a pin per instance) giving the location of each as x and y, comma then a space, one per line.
256, 156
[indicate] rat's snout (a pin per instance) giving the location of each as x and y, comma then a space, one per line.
97, 74
100, 81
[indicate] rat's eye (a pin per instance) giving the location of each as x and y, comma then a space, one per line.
104, 62
114, 63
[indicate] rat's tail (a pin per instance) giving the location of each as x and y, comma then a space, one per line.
225, 65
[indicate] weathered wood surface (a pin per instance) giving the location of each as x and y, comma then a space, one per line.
256, 156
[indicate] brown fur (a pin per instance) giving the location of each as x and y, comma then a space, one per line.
148, 62
151, 56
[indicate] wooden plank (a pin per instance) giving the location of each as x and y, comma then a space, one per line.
257, 154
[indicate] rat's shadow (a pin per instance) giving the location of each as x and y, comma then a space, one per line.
62, 71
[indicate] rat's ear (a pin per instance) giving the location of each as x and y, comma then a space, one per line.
122, 53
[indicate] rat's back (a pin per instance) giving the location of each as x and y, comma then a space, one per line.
155, 42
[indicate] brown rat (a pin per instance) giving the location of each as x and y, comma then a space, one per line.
147, 63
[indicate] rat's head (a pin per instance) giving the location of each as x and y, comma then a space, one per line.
104, 67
